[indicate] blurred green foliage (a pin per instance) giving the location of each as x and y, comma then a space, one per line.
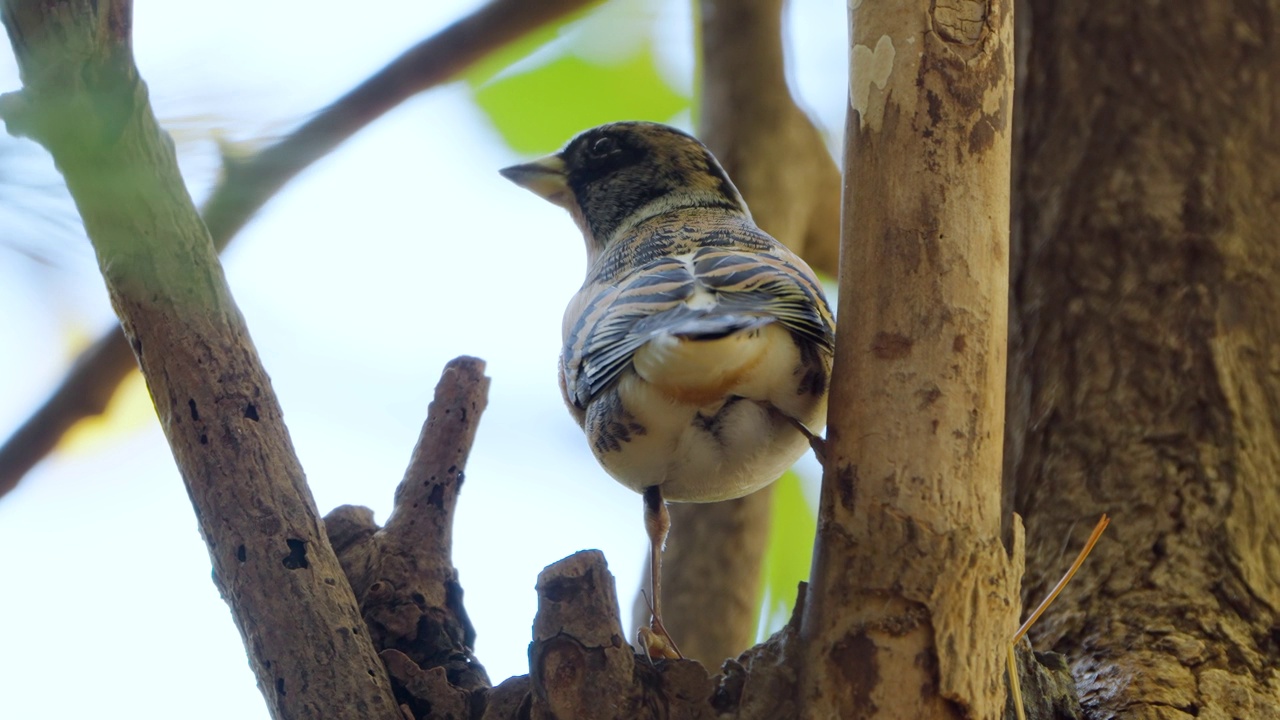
788, 555
547, 87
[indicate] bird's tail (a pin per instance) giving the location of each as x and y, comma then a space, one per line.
714, 327
700, 357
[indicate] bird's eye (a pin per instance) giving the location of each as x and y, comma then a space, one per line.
603, 147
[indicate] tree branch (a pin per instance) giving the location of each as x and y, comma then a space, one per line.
84, 101
914, 596
403, 574
778, 160
768, 145
247, 185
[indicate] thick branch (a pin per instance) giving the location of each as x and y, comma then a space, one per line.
83, 100
914, 597
778, 160
247, 185
711, 576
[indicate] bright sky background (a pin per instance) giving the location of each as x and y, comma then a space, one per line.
359, 281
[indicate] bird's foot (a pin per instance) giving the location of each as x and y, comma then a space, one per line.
657, 642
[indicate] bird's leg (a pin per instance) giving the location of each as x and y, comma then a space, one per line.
657, 522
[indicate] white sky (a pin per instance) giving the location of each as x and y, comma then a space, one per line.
359, 282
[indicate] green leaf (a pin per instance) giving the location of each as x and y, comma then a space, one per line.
788, 555
502, 58
538, 110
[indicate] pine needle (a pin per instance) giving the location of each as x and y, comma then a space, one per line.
1015, 687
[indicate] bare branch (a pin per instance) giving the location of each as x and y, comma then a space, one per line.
84, 101
84, 392
914, 597
711, 576
768, 145
248, 184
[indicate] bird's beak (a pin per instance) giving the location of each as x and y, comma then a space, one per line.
544, 177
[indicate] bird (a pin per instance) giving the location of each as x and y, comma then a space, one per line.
697, 353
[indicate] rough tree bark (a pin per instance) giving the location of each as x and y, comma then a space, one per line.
913, 595
1143, 374
778, 160
83, 100
403, 575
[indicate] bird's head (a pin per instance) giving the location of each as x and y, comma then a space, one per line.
614, 176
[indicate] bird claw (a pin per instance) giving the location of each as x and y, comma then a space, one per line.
817, 442
819, 445
657, 643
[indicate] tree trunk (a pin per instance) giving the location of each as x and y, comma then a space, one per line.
1143, 374
914, 597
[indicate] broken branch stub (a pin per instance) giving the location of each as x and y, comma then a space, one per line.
403, 573
581, 664
579, 661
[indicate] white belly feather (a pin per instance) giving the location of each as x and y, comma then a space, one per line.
705, 405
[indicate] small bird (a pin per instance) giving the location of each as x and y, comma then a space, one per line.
697, 353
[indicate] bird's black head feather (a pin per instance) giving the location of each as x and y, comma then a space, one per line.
623, 172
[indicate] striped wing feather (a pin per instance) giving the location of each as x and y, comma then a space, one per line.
714, 293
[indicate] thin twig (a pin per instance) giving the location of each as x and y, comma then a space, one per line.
1103, 522
248, 184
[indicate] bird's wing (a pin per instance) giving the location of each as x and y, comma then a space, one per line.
739, 291
610, 322
775, 284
